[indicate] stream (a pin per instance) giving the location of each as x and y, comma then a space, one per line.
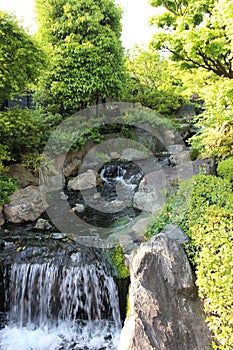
55, 293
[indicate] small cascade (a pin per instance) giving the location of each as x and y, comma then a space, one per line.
120, 178
62, 307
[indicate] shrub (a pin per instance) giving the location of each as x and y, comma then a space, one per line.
19, 132
203, 208
7, 187
225, 169
214, 235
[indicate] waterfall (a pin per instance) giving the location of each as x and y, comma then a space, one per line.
60, 307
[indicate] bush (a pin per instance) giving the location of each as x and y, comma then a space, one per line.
7, 187
214, 235
19, 132
225, 169
203, 208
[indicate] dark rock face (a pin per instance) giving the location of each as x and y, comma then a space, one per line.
165, 311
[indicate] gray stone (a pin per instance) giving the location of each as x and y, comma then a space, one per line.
2, 220
22, 175
150, 195
179, 158
42, 224
164, 309
54, 183
79, 208
133, 154
71, 168
115, 155
97, 196
63, 196
205, 166
25, 205
83, 181
177, 148
141, 225
187, 111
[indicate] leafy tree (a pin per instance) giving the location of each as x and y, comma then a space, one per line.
152, 82
215, 138
20, 57
197, 33
85, 55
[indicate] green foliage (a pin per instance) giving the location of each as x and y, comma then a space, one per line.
159, 222
7, 187
117, 260
214, 234
225, 169
196, 33
20, 57
203, 208
32, 161
19, 133
85, 55
143, 115
152, 82
215, 138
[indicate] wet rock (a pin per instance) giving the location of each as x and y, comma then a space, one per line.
79, 208
165, 311
25, 205
43, 224
22, 175
83, 181
2, 220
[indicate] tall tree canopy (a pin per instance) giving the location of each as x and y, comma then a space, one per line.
85, 55
198, 33
152, 82
20, 57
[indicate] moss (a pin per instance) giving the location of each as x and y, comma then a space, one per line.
117, 261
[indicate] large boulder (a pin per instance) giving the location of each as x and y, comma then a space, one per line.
83, 181
165, 312
22, 175
25, 205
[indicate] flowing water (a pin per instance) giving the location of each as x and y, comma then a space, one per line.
60, 307
56, 298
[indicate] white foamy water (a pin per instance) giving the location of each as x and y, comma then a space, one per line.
54, 307
66, 336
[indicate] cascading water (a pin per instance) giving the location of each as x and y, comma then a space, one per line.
58, 294
120, 178
60, 307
